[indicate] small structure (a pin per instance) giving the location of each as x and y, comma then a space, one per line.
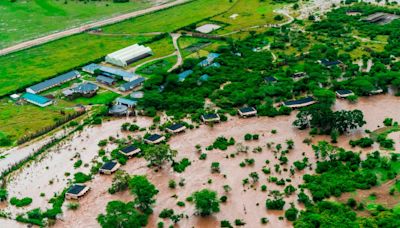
303, 102
343, 93
37, 99
131, 85
207, 28
380, 18
210, 118
270, 79
176, 128
86, 89
110, 72
118, 110
105, 80
53, 82
299, 75
214, 65
128, 55
329, 64
204, 77
137, 95
182, 76
76, 191
209, 60
125, 102
15, 96
130, 151
247, 112
154, 139
109, 167
376, 91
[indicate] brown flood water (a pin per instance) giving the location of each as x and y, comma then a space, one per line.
244, 203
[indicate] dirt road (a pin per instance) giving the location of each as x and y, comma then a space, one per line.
83, 28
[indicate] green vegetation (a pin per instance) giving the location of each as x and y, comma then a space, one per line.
157, 155
20, 202
206, 202
144, 192
122, 215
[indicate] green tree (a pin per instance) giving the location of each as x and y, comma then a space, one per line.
3, 194
144, 192
158, 154
206, 202
123, 215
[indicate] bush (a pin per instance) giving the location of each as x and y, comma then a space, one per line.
181, 166
20, 202
363, 142
73, 206
3, 194
172, 184
291, 213
81, 177
275, 204
166, 213
226, 223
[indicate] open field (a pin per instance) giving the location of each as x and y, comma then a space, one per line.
45, 16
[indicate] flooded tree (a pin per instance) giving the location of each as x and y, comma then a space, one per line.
206, 202
120, 214
144, 192
157, 155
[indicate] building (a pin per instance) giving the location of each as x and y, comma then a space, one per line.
210, 118
247, 112
105, 80
154, 139
270, 79
209, 60
91, 68
329, 64
118, 110
207, 28
37, 99
109, 167
110, 72
76, 191
131, 85
125, 102
343, 93
376, 91
86, 89
176, 128
204, 77
128, 55
182, 76
380, 18
130, 151
303, 102
56, 81
299, 75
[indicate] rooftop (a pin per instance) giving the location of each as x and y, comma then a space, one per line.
184, 74
36, 98
175, 126
344, 91
154, 137
133, 84
210, 116
86, 87
76, 189
129, 149
109, 165
270, 79
247, 109
299, 101
54, 81
105, 79
125, 101
328, 63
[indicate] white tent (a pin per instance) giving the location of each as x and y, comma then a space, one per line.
128, 55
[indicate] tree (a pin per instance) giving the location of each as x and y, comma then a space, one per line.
120, 182
158, 154
291, 213
3, 194
144, 193
206, 202
119, 214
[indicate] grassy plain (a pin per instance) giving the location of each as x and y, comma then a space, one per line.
23, 20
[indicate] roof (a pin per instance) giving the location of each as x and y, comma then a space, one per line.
217, 65
54, 81
175, 126
154, 137
270, 79
36, 98
128, 53
105, 79
344, 91
247, 109
326, 62
86, 87
91, 67
210, 116
133, 84
118, 109
210, 58
117, 72
184, 74
125, 101
129, 149
299, 101
109, 165
204, 77
76, 189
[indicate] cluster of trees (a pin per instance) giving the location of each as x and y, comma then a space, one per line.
134, 213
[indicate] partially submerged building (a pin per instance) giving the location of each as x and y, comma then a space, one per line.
176, 128
128, 55
210, 118
299, 103
37, 99
76, 191
130, 151
343, 93
154, 139
132, 85
247, 112
109, 167
53, 82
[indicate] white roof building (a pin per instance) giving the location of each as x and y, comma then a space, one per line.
128, 55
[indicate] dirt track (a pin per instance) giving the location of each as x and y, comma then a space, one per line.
58, 35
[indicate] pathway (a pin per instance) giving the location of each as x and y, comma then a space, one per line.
83, 28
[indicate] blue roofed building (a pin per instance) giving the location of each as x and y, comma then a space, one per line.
105, 80
37, 99
56, 81
209, 60
204, 77
182, 76
124, 101
216, 65
91, 68
110, 71
131, 85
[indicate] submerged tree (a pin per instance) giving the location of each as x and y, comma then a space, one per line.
124, 215
144, 192
158, 154
206, 202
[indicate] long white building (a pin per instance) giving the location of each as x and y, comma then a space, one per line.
128, 55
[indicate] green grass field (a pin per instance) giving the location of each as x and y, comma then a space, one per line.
23, 20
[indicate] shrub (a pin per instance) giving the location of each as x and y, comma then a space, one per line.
172, 184
291, 213
181, 166
73, 206
3, 194
275, 204
20, 202
226, 223
166, 213
81, 177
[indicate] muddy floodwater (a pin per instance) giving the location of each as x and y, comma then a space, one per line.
49, 174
